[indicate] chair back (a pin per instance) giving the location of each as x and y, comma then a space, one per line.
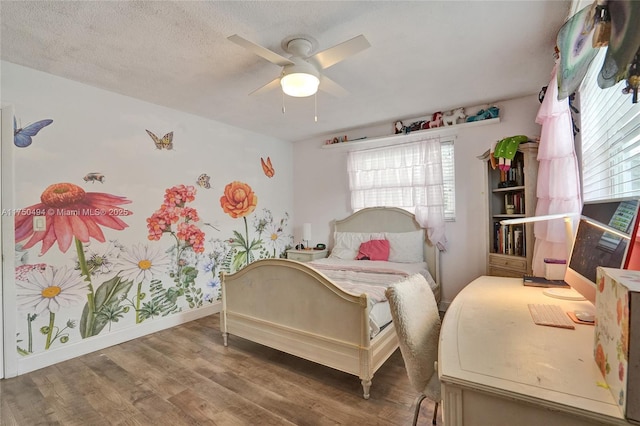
417, 323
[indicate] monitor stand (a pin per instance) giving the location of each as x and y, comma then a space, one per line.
563, 293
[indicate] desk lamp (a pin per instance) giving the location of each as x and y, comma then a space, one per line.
559, 293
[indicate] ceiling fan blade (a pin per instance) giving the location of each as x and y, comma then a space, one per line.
269, 86
339, 52
263, 52
331, 87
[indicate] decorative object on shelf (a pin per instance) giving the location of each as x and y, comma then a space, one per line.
452, 119
484, 114
398, 127
436, 120
416, 125
506, 149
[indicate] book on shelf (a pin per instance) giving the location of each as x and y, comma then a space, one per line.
509, 239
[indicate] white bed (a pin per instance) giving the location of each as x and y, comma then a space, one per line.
295, 308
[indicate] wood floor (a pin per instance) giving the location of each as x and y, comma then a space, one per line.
185, 376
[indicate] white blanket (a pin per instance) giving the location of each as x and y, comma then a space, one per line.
358, 280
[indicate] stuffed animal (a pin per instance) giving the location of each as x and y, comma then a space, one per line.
506, 149
491, 112
436, 121
451, 119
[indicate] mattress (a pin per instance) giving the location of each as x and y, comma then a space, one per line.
380, 314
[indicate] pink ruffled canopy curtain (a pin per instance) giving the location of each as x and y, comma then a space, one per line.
558, 187
408, 176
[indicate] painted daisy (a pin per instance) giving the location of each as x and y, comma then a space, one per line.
50, 289
274, 238
141, 263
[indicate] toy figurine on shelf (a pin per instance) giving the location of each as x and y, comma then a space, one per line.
484, 114
436, 120
451, 119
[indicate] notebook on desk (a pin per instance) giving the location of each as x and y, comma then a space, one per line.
531, 281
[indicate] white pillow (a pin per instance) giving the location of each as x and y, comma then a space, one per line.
406, 247
347, 244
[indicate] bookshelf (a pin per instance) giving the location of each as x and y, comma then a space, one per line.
511, 194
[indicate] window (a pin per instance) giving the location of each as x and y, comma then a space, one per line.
610, 132
401, 176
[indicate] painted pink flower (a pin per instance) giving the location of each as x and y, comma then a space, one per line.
179, 195
191, 235
157, 225
70, 212
190, 214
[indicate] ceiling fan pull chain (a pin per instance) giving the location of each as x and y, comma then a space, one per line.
315, 106
283, 109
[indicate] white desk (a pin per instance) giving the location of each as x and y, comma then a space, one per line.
499, 368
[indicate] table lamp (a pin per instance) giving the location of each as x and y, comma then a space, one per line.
306, 234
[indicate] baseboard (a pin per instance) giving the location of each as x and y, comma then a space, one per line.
443, 306
91, 344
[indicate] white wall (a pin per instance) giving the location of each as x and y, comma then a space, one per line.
98, 131
321, 188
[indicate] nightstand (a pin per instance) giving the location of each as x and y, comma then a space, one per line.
306, 255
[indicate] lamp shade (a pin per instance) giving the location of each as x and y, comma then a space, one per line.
306, 231
300, 79
299, 84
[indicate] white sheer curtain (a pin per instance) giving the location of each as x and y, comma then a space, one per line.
408, 176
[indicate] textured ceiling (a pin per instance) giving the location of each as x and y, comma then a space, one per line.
425, 56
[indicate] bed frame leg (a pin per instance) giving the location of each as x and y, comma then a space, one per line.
224, 339
366, 385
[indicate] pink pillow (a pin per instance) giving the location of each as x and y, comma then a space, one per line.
374, 250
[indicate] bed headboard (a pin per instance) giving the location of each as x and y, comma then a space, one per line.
390, 219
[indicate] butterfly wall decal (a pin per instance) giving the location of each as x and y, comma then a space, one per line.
23, 137
203, 181
267, 167
165, 143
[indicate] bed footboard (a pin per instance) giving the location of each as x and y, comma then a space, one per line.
291, 307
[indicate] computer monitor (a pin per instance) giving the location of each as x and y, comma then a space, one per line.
606, 231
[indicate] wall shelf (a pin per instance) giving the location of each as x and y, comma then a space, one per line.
407, 138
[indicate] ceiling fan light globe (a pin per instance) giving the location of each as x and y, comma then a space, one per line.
299, 84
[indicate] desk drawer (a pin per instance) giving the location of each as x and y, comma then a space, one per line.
508, 262
500, 272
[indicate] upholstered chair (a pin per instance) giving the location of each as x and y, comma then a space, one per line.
417, 323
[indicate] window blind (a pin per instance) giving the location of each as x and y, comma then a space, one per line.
610, 132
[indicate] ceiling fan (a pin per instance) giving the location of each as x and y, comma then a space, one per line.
301, 73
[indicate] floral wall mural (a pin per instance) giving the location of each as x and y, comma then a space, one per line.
114, 231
